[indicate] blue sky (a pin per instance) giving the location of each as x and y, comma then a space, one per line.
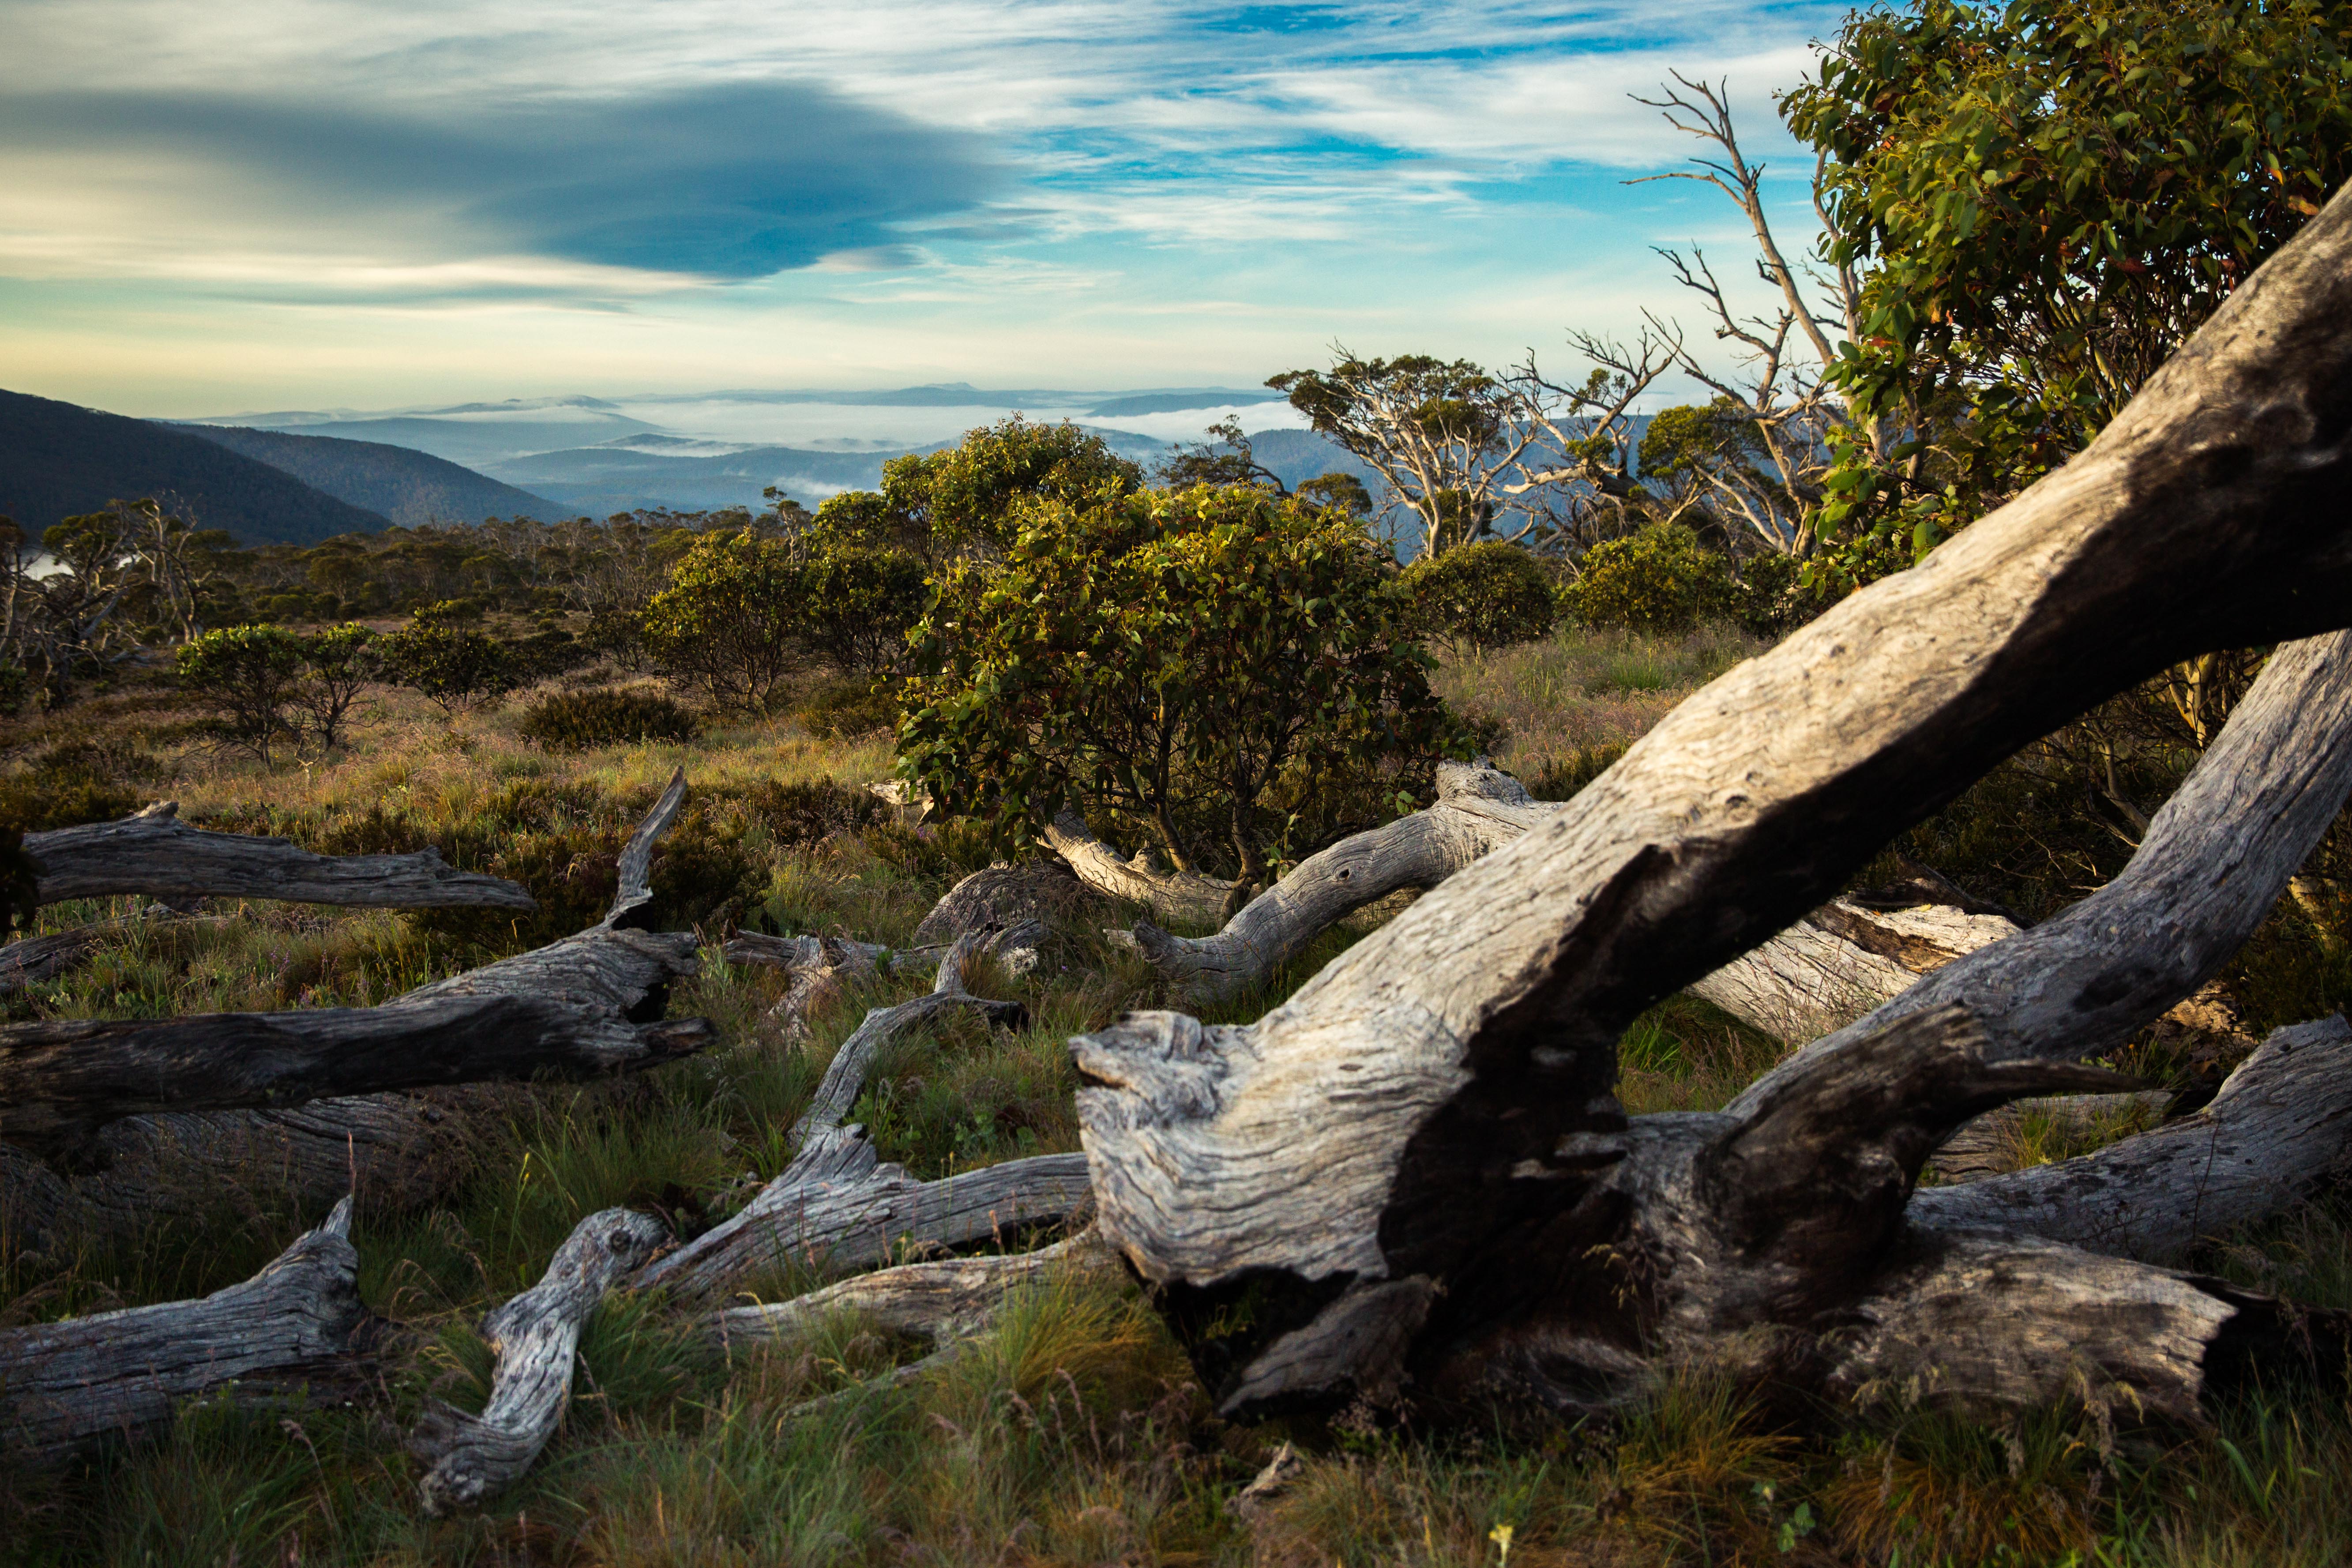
317, 203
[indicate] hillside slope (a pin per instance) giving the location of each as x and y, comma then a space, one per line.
408, 486
58, 460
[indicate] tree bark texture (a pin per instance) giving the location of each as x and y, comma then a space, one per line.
156, 854
534, 1336
1416, 1168
66, 1387
1182, 897
2279, 1129
1477, 809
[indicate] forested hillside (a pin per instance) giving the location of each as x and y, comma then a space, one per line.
58, 460
409, 486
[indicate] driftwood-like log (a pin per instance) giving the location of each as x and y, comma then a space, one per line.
949, 1298
66, 1387
1414, 1178
1839, 962
595, 999
156, 854
535, 1335
845, 1074
38, 960
2279, 1129
838, 1207
1477, 809
2212, 863
1184, 897
822, 966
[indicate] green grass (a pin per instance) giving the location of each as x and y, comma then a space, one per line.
1073, 1434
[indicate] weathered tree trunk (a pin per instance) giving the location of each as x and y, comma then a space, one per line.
1186, 897
1839, 962
1414, 1175
66, 1387
157, 854
838, 1206
845, 1074
592, 1000
470, 1457
2279, 1129
1477, 809
951, 1299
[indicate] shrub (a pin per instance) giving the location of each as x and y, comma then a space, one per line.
844, 710
804, 814
729, 621
443, 654
338, 662
1163, 659
970, 496
1659, 580
859, 604
1481, 596
72, 784
249, 677
584, 721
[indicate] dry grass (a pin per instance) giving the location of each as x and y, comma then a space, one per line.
1073, 1434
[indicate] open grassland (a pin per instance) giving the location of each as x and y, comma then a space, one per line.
1075, 1433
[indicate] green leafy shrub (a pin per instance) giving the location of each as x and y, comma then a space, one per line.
1162, 660
729, 623
1481, 596
859, 604
249, 675
844, 710
78, 782
1659, 580
445, 654
337, 664
605, 716
811, 811
1772, 598
969, 496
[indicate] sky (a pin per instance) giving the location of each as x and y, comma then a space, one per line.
308, 204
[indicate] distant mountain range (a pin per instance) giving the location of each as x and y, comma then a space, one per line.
405, 485
301, 476
58, 460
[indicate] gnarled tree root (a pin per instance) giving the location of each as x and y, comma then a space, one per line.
471, 1458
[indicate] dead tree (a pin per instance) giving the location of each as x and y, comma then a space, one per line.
1412, 1181
66, 1387
157, 854
590, 1003
838, 1206
470, 1456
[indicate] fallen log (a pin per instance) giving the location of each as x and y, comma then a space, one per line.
1839, 962
845, 1074
590, 1002
534, 1337
1477, 810
1184, 897
1990, 1146
2280, 1130
949, 1303
822, 966
838, 1206
2212, 863
1412, 1181
157, 854
66, 1387
948, 1299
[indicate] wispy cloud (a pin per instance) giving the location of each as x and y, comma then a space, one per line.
960, 156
